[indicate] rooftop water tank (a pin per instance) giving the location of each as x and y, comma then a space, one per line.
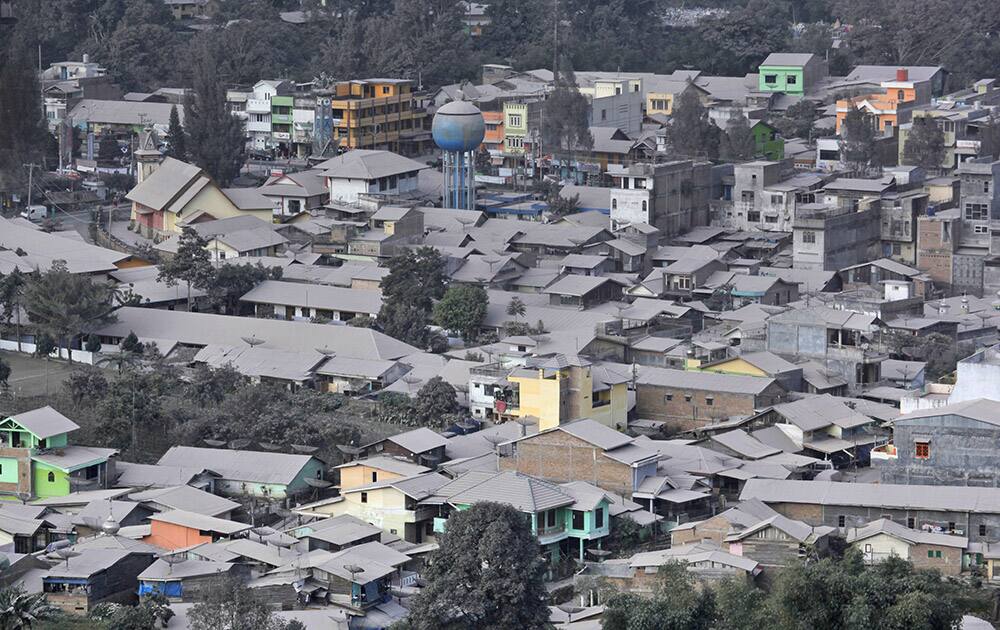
458, 126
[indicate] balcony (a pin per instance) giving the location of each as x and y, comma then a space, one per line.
258, 106
281, 119
552, 534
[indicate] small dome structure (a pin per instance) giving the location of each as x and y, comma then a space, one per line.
458, 126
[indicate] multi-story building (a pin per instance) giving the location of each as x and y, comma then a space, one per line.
256, 108
378, 114
790, 73
979, 203
962, 124
890, 108
765, 196
938, 236
672, 196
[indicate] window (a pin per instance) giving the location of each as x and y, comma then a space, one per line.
709, 401
645, 206
52, 477
429, 528
981, 229
550, 518
982, 529
599, 517
515, 120
829, 155
923, 450
770, 79
364, 497
604, 114
753, 216
791, 79
578, 520
374, 476
986, 186
682, 282
614, 204
900, 95
687, 397
911, 522
933, 553
976, 212
808, 236
777, 200
841, 521
668, 397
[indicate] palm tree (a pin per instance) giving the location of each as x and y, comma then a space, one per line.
18, 609
516, 308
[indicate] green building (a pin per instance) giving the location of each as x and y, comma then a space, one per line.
767, 141
790, 73
37, 460
567, 519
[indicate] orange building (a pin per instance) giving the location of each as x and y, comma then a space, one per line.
885, 107
378, 469
494, 136
378, 114
179, 529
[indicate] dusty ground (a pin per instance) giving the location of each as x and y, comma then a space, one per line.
28, 375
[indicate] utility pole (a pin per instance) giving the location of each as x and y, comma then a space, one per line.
555, 40
31, 171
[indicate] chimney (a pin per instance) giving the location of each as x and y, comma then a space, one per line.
86, 58
902, 74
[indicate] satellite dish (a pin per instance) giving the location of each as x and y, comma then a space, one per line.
262, 532
59, 544
349, 449
110, 526
240, 444
354, 569
599, 553
172, 559
269, 446
215, 443
24, 497
66, 553
318, 483
326, 352
304, 450
467, 425
252, 341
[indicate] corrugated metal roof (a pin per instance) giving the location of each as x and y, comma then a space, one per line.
368, 164
893, 496
524, 493
250, 466
45, 422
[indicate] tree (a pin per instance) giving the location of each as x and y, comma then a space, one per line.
11, 296
516, 308
93, 343
152, 612
361, 321
44, 346
487, 573
228, 605
436, 400
859, 143
676, 605
690, 133
192, 264
130, 343
415, 280
22, 127
561, 206
107, 150
216, 141
462, 309
924, 145
63, 305
565, 117
798, 120
738, 143
176, 140
19, 609
4, 372
230, 282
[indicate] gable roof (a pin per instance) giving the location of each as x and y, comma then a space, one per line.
788, 59
708, 381
187, 498
593, 432
45, 422
394, 465
980, 409
524, 493
368, 164
170, 183
911, 536
193, 520
253, 466
971, 499
418, 440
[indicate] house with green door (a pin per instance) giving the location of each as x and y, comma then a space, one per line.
567, 519
790, 73
768, 141
37, 460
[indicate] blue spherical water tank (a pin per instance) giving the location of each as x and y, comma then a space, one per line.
458, 126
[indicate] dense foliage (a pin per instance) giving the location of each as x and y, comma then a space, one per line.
144, 48
488, 573
825, 595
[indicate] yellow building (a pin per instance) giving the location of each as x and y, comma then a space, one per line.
363, 472
378, 114
565, 388
662, 94
172, 194
391, 505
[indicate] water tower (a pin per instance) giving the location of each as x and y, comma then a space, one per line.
458, 130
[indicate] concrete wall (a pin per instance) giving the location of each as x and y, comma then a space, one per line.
963, 452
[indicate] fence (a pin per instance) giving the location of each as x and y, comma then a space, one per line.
79, 356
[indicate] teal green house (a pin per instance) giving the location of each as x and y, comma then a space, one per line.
251, 473
37, 460
567, 519
790, 73
767, 141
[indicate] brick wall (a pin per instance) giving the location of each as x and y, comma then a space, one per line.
950, 562
672, 406
560, 457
